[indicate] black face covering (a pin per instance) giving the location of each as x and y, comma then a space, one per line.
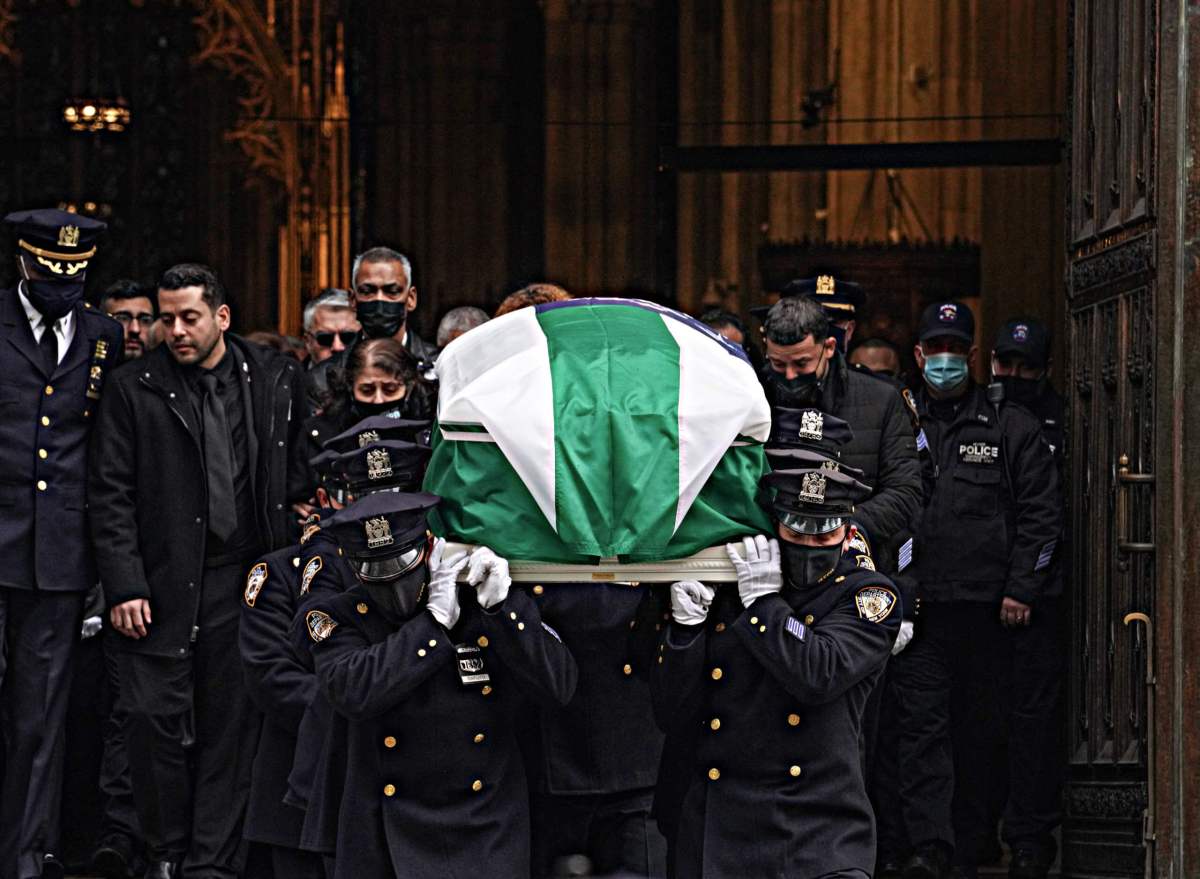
797, 393
53, 299
1026, 391
381, 318
805, 566
401, 598
360, 410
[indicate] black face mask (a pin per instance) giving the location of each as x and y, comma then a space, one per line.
805, 566
796, 393
381, 318
360, 410
54, 299
1026, 391
401, 598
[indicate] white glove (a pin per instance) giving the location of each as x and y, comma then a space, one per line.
758, 574
91, 626
443, 584
489, 573
903, 637
690, 601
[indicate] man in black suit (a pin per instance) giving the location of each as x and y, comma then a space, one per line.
198, 459
56, 352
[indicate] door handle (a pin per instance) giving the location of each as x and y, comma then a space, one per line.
1124, 480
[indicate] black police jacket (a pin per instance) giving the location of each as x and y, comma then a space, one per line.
604, 741
771, 698
435, 783
281, 688
993, 523
148, 492
884, 447
45, 422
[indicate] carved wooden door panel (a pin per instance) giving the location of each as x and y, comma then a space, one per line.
1111, 383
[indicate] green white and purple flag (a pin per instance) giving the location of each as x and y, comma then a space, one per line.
597, 428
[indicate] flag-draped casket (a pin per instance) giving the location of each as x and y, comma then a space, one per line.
597, 428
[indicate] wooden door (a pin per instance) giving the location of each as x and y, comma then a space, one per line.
1114, 415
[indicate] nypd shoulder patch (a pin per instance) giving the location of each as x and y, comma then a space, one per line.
320, 625
875, 603
310, 570
309, 532
865, 561
255, 581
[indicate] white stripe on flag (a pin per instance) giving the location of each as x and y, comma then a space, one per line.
498, 375
720, 399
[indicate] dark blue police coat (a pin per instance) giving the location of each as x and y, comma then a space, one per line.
770, 700
45, 420
435, 785
280, 686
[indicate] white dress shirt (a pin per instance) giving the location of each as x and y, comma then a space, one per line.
64, 327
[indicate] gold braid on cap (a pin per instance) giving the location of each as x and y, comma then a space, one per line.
50, 254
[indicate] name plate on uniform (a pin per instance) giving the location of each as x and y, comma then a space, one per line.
470, 665
710, 565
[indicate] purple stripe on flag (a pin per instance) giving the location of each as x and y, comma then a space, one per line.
730, 348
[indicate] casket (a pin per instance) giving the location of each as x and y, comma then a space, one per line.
612, 434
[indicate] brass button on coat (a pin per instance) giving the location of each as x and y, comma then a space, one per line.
538, 590
483, 641
360, 607
714, 774
389, 790
720, 627
478, 738
628, 669
715, 723
477, 785
808, 620
794, 772
793, 720
486, 689
716, 674
389, 742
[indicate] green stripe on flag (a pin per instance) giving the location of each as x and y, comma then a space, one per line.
616, 397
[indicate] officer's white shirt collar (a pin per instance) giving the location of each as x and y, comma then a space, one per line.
64, 326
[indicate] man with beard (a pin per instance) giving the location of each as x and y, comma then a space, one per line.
56, 363
132, 306
982, 671
432, 682
805, 369
382, 296
198, 456
764, 685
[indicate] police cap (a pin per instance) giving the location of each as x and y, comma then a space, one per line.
813, 500
810, 428
1024, 337
946, 319
60, 243
841, 300
391, 464
803, 458
378, 428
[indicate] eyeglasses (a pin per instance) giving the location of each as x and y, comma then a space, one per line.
325, 338
125, 318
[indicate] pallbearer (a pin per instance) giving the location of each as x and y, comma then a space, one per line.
764, 688
432, 682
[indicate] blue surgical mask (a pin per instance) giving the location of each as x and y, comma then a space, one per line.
945, 372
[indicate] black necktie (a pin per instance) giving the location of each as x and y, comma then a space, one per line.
218, 462
48, 345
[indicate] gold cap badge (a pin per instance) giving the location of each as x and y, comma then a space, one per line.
68, 236
825, 284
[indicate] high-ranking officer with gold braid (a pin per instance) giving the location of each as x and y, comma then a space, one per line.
55, 353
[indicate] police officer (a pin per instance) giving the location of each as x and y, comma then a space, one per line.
764, 685
841, 300
431, 683
982, 561
56, 362
1021, 365
375, 455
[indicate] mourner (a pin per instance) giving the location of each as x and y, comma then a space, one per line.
57, 363
198, 456
329, 325
983, 562
764, 685
431, 682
